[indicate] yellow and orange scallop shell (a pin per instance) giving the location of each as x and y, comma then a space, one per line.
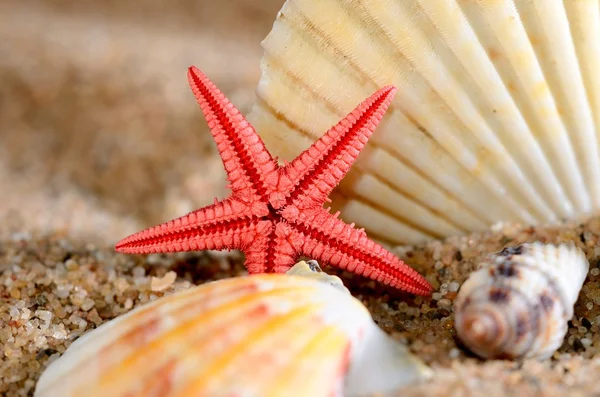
260, 335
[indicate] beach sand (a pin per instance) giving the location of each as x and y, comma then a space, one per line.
53, 290
100, 137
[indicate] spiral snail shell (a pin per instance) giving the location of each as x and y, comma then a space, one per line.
518, 303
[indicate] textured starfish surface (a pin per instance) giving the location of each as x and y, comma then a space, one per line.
275, 212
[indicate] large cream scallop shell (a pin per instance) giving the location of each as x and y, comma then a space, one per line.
518, 303
262, 335
496, 116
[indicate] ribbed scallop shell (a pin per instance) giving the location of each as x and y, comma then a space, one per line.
496, 116
263, 335
518, 303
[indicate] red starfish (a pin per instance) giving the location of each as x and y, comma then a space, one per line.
275, 213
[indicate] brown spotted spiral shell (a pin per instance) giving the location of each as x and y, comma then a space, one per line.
518, 303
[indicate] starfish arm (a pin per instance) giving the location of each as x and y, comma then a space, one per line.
329, 240
317, 171
251, 170
222, 225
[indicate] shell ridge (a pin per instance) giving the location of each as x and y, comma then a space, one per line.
440, 77
408, 169
411, 77
531, 78
561, 70
442, 218
493, 185
262, 99
489, 80
520, 135
584, 21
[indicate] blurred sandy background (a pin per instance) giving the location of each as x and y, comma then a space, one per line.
99, 133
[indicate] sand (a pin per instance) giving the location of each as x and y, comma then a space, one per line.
100, 137
53, 290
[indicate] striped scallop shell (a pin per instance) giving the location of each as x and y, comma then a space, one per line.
496, 116
262, 335
518, 303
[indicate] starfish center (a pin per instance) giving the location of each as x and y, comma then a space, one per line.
274, 214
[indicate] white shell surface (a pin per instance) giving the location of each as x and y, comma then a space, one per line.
311, 269
261, 335
518, 303
496, 116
